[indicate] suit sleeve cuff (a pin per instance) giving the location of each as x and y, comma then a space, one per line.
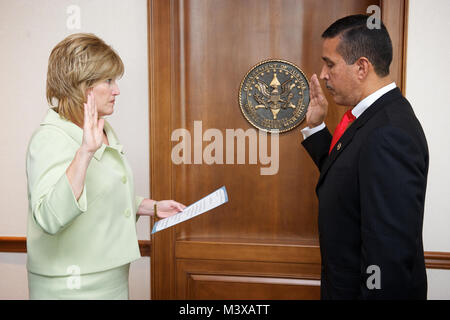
138, 200
63, 202
307, 131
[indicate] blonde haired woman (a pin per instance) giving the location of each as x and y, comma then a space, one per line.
81, 234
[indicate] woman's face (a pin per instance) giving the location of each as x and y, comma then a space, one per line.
105, 93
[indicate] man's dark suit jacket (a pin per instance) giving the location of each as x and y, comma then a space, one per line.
371, 195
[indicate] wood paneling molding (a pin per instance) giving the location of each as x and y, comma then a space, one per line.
394, 14
242, 251
161, 70
437, 260
19, 245
13, 244
236, 251
145, 246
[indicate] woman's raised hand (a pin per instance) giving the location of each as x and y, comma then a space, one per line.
92, 127
92, 140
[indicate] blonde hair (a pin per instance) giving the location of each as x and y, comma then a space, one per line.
76, 64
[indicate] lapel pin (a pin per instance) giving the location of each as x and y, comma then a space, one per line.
339, 146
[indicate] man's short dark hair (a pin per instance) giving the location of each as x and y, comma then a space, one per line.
357, 41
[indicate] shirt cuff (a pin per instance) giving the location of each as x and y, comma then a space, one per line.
307, 131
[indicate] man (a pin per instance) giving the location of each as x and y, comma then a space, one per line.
373, 174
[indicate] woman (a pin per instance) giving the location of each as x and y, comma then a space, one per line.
81, 233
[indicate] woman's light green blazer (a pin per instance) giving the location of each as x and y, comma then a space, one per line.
95, 233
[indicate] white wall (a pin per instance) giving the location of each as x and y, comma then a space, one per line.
13, 276
428, 90
29, 29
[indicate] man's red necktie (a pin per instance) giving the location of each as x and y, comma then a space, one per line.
346, 120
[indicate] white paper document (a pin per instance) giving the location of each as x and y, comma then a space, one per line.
209, 202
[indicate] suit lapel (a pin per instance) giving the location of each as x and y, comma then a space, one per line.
348, 135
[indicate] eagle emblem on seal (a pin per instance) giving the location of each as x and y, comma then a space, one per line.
274, 95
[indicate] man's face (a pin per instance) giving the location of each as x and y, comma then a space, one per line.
340, 78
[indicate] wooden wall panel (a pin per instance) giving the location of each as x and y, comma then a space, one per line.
221, 279
213, 51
